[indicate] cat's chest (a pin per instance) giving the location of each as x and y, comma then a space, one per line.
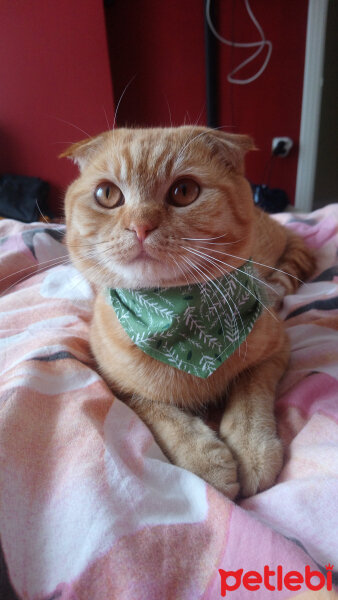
130, 370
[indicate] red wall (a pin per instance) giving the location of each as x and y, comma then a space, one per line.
270, 106
157, 46
54, 67
161, 45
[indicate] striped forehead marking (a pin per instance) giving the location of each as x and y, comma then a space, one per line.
145, 159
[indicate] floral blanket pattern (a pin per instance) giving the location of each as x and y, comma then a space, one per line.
89, 506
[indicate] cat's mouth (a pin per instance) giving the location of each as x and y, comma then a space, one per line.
145, 267
143, 255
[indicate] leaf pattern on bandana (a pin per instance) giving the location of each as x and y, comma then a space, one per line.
194, 328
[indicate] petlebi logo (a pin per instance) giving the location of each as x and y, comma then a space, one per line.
275, 580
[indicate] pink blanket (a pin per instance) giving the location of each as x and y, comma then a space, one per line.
89, 506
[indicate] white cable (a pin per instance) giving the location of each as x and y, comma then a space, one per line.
259, 45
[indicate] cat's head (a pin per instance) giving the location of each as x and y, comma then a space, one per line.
159, 207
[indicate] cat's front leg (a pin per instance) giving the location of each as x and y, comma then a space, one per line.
295, 265
248, 425
190, 444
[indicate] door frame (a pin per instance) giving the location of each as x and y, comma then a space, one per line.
311, 103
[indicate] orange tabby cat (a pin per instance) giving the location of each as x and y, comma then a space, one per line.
170, 208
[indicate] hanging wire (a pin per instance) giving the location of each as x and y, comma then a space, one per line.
260, 45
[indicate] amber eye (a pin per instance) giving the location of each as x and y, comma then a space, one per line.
108, 195
183, 192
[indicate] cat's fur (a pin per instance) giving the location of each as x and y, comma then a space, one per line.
103, 244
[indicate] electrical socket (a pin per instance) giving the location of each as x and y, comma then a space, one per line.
281, 146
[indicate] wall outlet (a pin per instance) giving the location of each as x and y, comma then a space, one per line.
281, 146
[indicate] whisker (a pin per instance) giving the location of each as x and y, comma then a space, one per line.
192, 274
61, 229
36, 265
211, 281
204, 239
252, 294
233, 276
240, 257
120, 100
77, 280
231, 312
237, 269
85, 274
198, 283
212, 244
72, 125
115, 115
61, 261
179, 267
225, 273
207, 281
263, 265
92, 245
170, 115
179, 156
106, 117
200, 115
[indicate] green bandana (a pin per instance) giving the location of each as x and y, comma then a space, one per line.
194, 328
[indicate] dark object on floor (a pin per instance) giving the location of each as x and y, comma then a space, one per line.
21, 197
6, 590
271, 201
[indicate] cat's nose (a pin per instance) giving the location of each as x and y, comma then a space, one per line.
142, 231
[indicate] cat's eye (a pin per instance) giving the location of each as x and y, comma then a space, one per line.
183, 192
108, 195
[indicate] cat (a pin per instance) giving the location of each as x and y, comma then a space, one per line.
164, 216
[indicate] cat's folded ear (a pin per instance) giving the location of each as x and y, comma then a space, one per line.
82, 152
233, 146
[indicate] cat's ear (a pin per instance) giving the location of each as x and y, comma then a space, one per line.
234, 147
82, 152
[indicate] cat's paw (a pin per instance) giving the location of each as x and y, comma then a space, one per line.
216, 466
258, 469
259, 459
276, 294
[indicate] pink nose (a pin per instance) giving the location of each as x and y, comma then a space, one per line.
142, 231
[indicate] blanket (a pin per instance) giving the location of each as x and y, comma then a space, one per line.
90, 508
